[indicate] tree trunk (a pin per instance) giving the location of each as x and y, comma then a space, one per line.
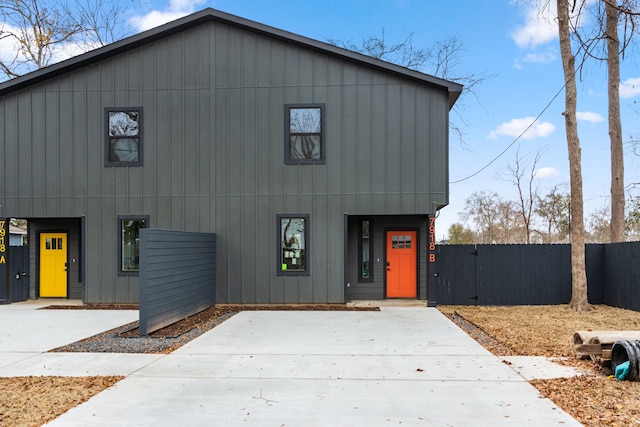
615, 126
579, 300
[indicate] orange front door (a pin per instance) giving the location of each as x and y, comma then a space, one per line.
401, 264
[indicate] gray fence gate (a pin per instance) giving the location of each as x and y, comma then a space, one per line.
17, 259
530, 274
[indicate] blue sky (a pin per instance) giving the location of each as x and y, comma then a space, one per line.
502, 38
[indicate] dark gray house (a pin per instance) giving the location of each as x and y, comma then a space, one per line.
317, 168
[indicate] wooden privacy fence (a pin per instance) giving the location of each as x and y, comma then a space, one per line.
533, 274
177, 276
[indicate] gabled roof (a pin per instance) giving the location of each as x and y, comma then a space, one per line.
207, 15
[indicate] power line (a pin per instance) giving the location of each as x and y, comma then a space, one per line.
514, 141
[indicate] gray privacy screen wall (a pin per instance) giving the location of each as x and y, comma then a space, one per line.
177, 276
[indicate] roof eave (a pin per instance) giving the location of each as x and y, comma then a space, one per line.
209, 14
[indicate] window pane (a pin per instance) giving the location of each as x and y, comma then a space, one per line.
365, 250
407, 239
48, 242
123, 150
60, 243
394, 242
293, 244
304, 120
305, 147
123, 123
130, 240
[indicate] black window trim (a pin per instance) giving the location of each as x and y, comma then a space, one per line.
360, 278
287, 140
119, 220
279, 270
107, 144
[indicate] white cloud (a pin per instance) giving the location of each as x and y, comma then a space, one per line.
630, 88
176, 9
546, 57
588, 116
546, 172
516, 127
539, 27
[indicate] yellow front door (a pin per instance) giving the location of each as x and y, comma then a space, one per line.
53, 265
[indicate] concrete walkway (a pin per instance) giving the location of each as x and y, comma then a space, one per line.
408, 366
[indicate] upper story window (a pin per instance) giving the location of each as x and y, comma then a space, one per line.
124, 137
304, 134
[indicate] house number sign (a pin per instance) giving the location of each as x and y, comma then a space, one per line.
432, 239
3, 241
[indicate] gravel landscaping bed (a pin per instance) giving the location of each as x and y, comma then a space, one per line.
126, 338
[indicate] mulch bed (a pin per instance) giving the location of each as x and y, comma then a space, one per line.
127, 339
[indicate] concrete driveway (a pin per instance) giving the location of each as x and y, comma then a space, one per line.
399, 366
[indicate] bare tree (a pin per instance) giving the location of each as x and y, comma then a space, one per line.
524, 180
41, 30
440, 60
615, 124
579, 298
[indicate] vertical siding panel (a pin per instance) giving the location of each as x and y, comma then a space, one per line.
3, 149
177, 63
235, 58
393, 141
335, 259
221, 141
234, 215
263, 141
276, 141
204, 54
408, 149
277, 288
79, 155
190, 147
248, 249
234, 142
334, 138
439, 169
277, 63
321, 248
191, 51
422, 160
349, 142
38, 134
363, 161
265, 239
378, 146
162, 143
221, 55
94, 143
249, 60
249, 158
23, 184
52, 150
10, 130
204, 140
291, 70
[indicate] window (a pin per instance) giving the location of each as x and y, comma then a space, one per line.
129, 243
365, 245
123, 145
304, 134
293, 257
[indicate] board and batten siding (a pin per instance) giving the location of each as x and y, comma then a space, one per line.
213, 101
177, 276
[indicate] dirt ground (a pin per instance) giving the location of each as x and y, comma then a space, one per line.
593, 399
